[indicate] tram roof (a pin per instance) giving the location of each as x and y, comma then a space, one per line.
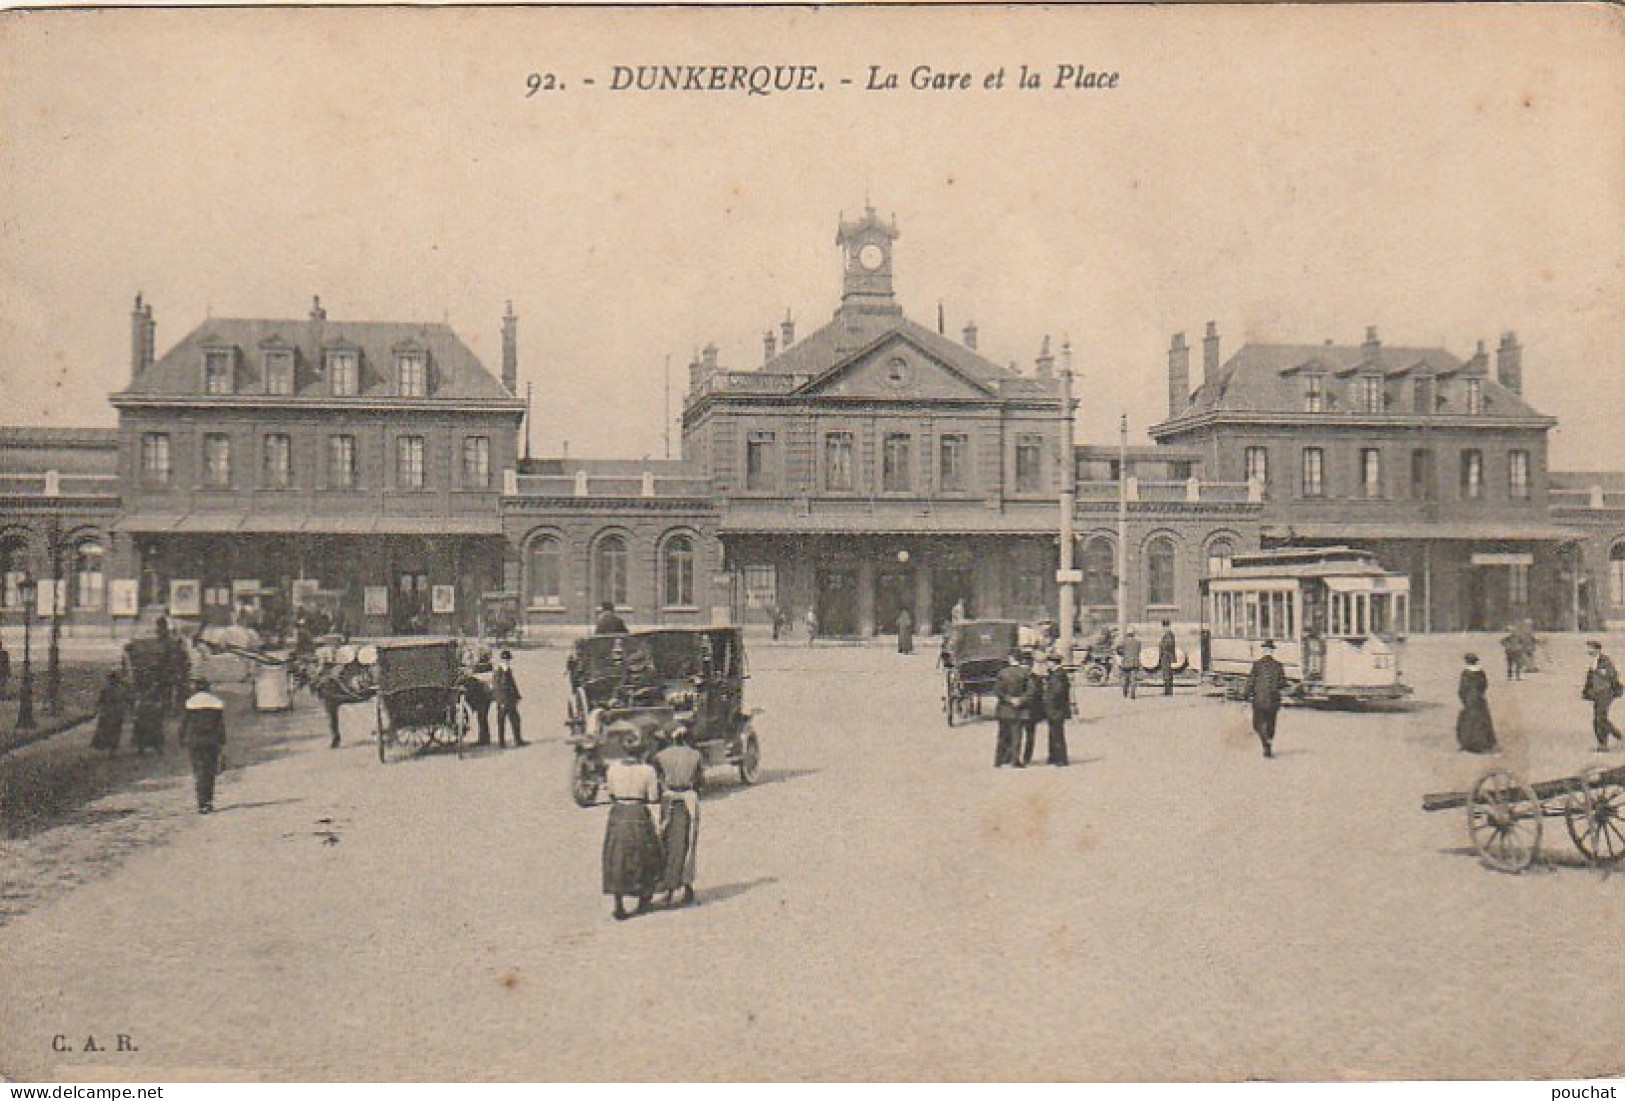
1304, 562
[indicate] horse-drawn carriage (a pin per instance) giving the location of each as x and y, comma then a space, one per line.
1504, 815
419, 697
645, 684
973, 652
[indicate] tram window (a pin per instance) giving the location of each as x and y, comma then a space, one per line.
1359, 613
1250, 611
1291, 616
1379, 614
1266, 615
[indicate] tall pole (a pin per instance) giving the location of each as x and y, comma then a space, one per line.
529, 386
665, 390
25, 693
59, 608
1122, 525
1069, 502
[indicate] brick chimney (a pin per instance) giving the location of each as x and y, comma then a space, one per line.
318, 312
970, 335
1179, 374
769, 347
510, 349
1372, 346
1210, 352
141, 328
708, 356
1045, 363
1480, 363
787, 331
1509, 363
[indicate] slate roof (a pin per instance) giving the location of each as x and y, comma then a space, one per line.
455, 371
1266, 378
821, 350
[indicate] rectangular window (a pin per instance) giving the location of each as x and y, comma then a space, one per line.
838, 462
217, 372
409, 462
1475, 396
414, 375
278, 456
1616, 578
1371, 473
761, 587
1314, 397
1029, 464
953, 451
1422, 396
341, 462
759, 461
344, 373
155, 458
1314, 462
894, 463
1518, 475
1422, 482
477, 461
279, 372
1518, 583
1257, 461
1369, 394
217, 460
1472, 475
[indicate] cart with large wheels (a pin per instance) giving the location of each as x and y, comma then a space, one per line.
1505, 815
419, 699
973, 652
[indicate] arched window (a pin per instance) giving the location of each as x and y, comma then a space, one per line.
13, 567
545, 573
679, 572
1219, 553
609, 571
1099, 572
87, 575
1616, 574
1159, 571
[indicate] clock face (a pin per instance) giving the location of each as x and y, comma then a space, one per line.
871, 256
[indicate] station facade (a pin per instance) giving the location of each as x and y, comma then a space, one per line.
874, 465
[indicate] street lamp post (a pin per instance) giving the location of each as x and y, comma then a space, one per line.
1069, 502
26, 588
1122, 525
59, 607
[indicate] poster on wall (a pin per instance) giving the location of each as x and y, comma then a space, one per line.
443, 599
375, 599
186, 597
305, 589
122, 597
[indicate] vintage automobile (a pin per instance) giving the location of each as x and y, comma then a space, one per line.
646, 684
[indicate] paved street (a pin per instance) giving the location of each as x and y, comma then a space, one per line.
882, 905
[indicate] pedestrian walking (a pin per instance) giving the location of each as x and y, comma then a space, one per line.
1602, 688
681, 768
477, 698
1129, 657
812, 625
1032, 708
779, 623
203, 733
5, 671
632, 853
1265, 684
1512, 643
1011, 687
1167, 654
1475, 732
609, 621
905, 632
505, 691
112, 704
956, 615
1057, 697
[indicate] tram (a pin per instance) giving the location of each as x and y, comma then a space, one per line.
1334, 614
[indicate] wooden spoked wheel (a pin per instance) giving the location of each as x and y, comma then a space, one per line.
1504, 822
1595, 817
583, 780
750, 759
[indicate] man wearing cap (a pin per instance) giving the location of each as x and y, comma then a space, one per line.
682, 773
1012, 686
1057, 708
1265, 683
505, 691
1167, 654
1129, 655
1032, 707
1602, 688
203, 733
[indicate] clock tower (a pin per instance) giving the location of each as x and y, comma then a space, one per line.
866, 258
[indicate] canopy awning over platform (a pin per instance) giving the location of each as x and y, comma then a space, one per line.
1478, 532
232, 523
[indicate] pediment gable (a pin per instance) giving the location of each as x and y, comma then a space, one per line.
896, 367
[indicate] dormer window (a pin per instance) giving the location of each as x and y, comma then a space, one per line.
412, 371
1314, 396
1422, 395
279, 371
1475, 396
1368, 393
343, 372
217, 372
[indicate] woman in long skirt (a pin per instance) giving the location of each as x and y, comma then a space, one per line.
632, 853
682, 773
1475, 732
110, 708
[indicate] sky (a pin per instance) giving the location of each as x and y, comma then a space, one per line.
1291, 173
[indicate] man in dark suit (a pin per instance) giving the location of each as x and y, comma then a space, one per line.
1057, 709
203, 733
1265, 684
1012, 686
505, 691
477, 697
1032, 708
608, 623
1129, 656
1167, 652
1602, 688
